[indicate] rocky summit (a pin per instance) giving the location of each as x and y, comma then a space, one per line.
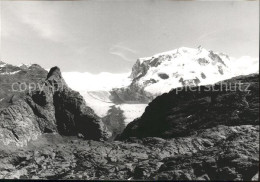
52, 107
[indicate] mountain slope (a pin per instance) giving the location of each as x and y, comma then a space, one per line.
185, 110
50, 108
15, 80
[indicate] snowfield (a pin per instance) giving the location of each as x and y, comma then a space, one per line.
101, 104
10, 73
132, 111
183, 63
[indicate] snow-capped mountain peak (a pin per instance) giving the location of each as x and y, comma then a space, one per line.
188, 66
179, 67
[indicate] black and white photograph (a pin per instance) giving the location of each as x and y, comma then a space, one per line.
145, 90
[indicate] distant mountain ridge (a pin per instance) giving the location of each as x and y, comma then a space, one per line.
11, 78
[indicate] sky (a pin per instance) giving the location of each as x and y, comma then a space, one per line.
109, 36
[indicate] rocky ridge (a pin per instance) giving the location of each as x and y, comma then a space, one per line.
53, 107
14, 80
185, 110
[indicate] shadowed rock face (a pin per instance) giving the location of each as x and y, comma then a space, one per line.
73, 116
114, 121
53, 107
183, 111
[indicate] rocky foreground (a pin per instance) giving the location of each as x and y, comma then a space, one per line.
218, 153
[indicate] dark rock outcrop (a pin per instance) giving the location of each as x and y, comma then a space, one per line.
52, 107
183, 111
114, 121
